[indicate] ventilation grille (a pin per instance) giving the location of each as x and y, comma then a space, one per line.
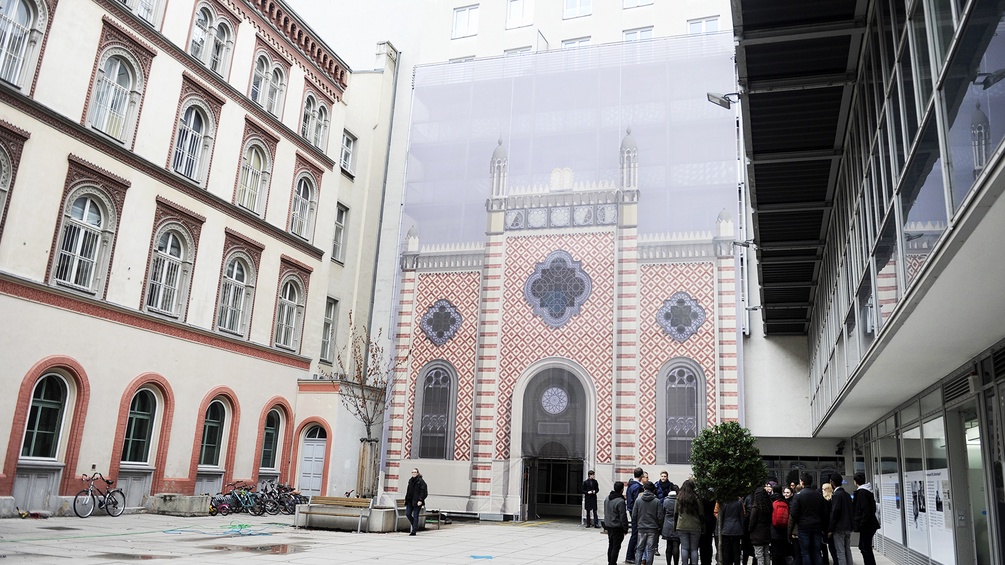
999, 363
956, 390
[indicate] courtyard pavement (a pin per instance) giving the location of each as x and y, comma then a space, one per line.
248, 539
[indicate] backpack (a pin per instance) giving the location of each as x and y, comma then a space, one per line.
779, 514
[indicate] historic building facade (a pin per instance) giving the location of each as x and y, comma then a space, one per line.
562, 342
176, 199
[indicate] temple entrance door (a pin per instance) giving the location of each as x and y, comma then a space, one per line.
554, 444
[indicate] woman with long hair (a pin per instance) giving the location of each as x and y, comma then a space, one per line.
760, 526
689, 516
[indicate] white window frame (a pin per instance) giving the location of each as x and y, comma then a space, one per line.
576, 8
347, 157
150, 11
289, 313
328, 330
574, 43
158, 283
465, 22
314, 127
21, 41
702, 24
253, 184
190, 146
302, 209
113, 105
239, 297
101, 236
637, 34
338, 241
519, 13
636, 3
268, 84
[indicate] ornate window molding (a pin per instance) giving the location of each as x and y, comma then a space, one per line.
680, 316
557, 288
441, 322
680, 409
435, 411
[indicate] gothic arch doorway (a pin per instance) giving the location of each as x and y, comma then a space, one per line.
553, 440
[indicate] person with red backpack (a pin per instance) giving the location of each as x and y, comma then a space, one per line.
781, 547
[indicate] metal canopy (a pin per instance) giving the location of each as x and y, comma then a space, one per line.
796, 63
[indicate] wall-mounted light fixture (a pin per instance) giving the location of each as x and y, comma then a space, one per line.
724, 100
748, 244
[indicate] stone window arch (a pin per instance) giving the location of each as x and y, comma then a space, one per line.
680, 409
436, 411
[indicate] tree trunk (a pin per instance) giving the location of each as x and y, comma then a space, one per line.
366, 482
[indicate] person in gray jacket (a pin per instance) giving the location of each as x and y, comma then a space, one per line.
670, 528
647, 512
615, 521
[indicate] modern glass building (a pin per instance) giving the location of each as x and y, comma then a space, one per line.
873, 135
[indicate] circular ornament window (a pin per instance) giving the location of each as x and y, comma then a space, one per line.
554, 400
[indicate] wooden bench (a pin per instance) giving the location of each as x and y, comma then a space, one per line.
399, 511
339, 506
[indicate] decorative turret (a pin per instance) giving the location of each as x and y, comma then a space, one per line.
497, 171
410, 255
629, 174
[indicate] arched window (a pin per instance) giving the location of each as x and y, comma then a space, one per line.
45, 418
85, 237
139, 428
310, 114
212, 434
260, 81
192, 141
170, 271
680, 410
316, 432
289, 314
435, 411
112, 97
254, 178
270, 440
277, 84
302, 211
6, 172
321, 127
211, 40
236, 292
22, 26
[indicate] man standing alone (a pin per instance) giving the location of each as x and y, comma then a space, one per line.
415, 497
864, 521
807, 513
616, 521
841, 521
590, 488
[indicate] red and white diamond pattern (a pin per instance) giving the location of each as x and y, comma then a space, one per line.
585, 339
657, 283
461, 289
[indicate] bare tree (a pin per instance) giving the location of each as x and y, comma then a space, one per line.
365, 371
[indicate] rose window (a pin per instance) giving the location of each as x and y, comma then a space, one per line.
680, 316
557, 288
441, 322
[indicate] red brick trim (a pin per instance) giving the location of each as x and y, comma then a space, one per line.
274, 55
301, 429
281, 404
89, 307
255, 131
75, 372
228, 395
12, 139
146, 380
289, 267
302, 164
51, 11
168, 212
192, 89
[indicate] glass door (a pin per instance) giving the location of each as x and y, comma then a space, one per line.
967, 481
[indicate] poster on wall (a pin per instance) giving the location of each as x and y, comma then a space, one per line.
915, 492
889, 506
940, 515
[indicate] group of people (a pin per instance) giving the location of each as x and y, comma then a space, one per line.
794, 525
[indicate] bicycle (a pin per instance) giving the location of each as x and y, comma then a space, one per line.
112, 500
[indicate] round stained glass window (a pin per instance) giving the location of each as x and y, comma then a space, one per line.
554, 400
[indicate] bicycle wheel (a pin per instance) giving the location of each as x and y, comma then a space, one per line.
224, 509
257, 507
271, 506
83, 503
115, 502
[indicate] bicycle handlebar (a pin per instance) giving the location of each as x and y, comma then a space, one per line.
95, 477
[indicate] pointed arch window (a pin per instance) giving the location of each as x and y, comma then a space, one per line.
139, 427
680, 409
45, 418
434, 421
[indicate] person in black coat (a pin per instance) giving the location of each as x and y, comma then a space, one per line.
415, 499
759, 526
590, 488
864, 518
615, 521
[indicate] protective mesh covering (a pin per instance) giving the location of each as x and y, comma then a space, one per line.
570, 110
554, 416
